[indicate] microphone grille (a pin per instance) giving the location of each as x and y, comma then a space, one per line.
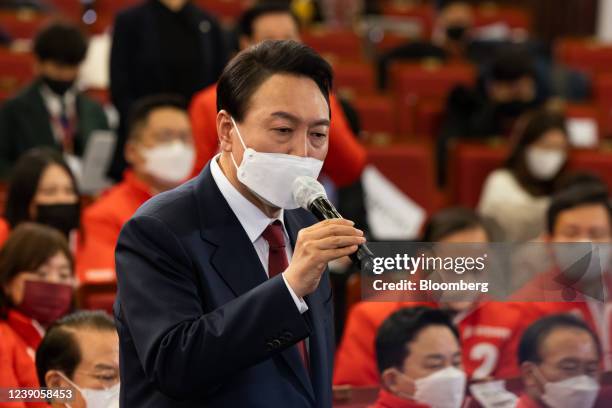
306, 190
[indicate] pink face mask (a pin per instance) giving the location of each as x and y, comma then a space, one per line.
45, 302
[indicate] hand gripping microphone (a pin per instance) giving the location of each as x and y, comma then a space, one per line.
309, 194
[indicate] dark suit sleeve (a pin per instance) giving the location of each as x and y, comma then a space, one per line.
185, 350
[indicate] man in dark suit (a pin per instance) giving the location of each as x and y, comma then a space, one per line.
161, 46
51, 111
224, 297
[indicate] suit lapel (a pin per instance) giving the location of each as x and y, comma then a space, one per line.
220, 227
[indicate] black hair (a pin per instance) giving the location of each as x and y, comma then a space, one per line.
61, 42
574, 196
140, 111
510, 65
452, 220
59, 349
24, 180
250, 68
529, 130
247, 19
536, 334
442, 4
401, 328
579, 178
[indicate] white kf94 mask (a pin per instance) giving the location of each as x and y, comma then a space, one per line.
270, 176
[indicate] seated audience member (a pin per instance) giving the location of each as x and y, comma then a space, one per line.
160, 151
418, 353
580, 214
50, 111
42, 189
560, 360
161, 46
450, 38
80, 352
504, 322
346, 158
505, 90
517, 195
37, 287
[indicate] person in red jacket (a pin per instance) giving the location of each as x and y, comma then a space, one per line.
418, 356
560, 359
37, 288
160, 151
345, 159
489, 330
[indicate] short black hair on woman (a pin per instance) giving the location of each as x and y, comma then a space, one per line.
250, 68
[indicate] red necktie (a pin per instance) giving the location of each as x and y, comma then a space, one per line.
277, 263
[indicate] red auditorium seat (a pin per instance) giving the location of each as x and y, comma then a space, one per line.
16, 69
595, 161
413, 82
339, 43
223, 9
109, 8
428, 119
585, 54
354, 76
469, 167
23, 24
510, 16
376, 114
97, 296
602, 92
410, 168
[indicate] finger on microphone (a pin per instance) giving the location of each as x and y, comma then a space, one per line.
339, 242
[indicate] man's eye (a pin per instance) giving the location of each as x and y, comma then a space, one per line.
319, 135
284, 130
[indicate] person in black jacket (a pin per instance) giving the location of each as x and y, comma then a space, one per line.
162, 46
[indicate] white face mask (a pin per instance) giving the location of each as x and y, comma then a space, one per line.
544, 164
443, 389
575, 392
169, 162
105, 398
270, 176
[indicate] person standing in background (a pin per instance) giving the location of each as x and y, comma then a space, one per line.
51, 111
161, 46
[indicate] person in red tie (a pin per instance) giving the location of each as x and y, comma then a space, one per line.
272, 21
419, 359
560, 358
224, 279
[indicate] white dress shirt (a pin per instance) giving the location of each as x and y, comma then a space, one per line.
254, 222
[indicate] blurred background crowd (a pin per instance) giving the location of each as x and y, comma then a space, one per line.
452, 121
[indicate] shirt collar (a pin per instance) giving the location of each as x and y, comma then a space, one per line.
252, 219
53, 101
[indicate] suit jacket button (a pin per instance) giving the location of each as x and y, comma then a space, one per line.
288, 335
276, 343
270, 346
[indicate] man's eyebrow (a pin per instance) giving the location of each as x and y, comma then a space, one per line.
295, 119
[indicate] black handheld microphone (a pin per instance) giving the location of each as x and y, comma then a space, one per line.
310, 195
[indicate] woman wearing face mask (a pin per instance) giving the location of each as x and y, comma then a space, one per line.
419, 359
36, 280
42, 189
517, 195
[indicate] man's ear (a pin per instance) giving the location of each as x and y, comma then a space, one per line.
54, 380
527, 373
224, 129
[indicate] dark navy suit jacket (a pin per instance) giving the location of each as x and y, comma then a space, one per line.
199, 322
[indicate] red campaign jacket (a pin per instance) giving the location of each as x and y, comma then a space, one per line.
18, 341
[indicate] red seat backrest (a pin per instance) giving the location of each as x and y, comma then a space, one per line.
410, 168
376, 113
339, 43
